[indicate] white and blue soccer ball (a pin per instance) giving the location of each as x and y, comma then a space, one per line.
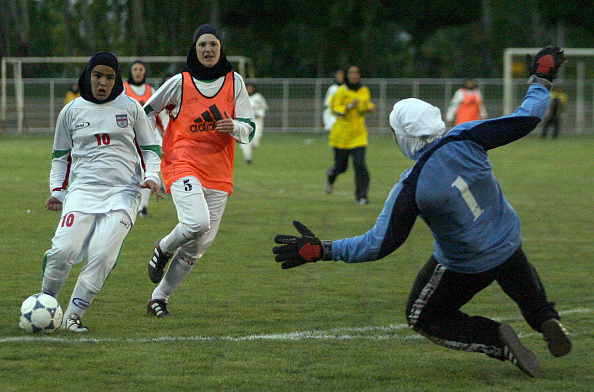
41, 313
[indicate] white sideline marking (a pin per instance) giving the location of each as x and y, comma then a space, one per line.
345, 333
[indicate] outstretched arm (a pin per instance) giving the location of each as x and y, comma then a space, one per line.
389, 232
391, 229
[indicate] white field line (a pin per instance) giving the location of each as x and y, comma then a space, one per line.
344, 333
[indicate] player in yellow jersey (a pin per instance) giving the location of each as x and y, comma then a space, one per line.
351, 102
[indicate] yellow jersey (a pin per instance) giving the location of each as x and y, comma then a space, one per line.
349, 130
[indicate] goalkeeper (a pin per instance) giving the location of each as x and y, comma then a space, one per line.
477, 232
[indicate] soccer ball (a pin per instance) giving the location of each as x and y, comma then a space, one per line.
41, 313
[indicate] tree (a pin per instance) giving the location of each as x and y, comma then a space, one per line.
486, 37
421, 19
139, 29
15, 27
304, 38
576, 13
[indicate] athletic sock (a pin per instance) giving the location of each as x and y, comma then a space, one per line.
144, 199
176, 273
80, 301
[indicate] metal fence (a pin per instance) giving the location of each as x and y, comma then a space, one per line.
296, 105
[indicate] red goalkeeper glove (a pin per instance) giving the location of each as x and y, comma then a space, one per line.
546, 63
297, 251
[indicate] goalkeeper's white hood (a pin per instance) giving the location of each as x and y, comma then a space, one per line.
416, 123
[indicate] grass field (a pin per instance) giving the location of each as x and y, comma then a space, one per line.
240, 323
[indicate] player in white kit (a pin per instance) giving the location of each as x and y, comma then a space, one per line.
259, 108
104, 152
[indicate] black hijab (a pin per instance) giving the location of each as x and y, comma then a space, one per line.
350, 85
195, 67
131, 79
84, 82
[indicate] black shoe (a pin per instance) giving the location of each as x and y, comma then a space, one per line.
515, 352
143, 212
157, 307
557, 337
157, 264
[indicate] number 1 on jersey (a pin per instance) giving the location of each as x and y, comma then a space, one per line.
468, 197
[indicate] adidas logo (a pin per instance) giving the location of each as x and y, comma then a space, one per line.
207, 120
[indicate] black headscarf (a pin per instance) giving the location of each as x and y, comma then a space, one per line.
336, 81
195, 67
84, 81
351, 86
131, 79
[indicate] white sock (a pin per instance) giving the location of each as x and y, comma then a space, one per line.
177, 272
59, 274
144, 199
80, 301
51, 286
247, 151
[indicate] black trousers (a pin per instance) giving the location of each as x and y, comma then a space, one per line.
341, 160
433, 307
551, 121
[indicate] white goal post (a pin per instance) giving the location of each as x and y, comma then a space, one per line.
244, 67
508, 90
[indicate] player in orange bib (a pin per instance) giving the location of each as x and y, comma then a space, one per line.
209, 110
466, 105
136, 87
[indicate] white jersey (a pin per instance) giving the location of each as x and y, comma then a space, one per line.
169, 97
327, 116
259, 105
97, 166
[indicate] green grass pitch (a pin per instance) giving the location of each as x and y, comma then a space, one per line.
240, 323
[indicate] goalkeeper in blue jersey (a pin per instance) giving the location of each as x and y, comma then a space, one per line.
477, 232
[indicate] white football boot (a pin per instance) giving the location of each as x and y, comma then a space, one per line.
73, 324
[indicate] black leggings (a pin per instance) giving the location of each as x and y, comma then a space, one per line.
341, 160
433, 307
555, 122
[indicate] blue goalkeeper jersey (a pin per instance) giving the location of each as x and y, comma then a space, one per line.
453, 189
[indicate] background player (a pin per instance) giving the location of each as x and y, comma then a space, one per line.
327, 116
348, 137
553, 118
137, 88
71, 94
259, 108
467, 104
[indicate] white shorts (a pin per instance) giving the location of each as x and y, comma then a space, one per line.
99, 237
198, 206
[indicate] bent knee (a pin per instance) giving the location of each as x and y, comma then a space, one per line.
63, 256
197, 228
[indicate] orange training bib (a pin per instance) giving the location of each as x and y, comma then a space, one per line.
191, 144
